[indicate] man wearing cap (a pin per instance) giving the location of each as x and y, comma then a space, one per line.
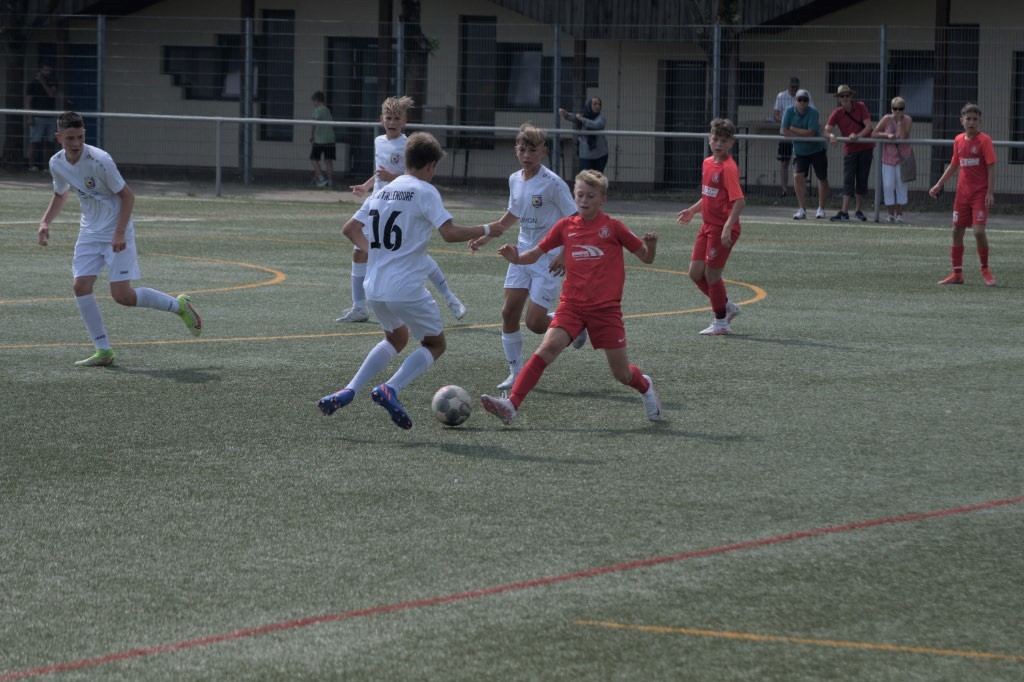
784, 99
854, 122
800, 122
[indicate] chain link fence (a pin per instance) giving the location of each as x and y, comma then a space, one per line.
215, 97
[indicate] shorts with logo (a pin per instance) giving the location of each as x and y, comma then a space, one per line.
604, 325
542, 285
91, 257
708, 246
970, 210
421, 316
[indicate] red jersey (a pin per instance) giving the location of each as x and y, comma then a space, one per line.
595, 269
720, 189
973, 157
850, 123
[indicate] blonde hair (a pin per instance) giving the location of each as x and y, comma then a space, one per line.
593, 178
531, 135
397, 106
898, 101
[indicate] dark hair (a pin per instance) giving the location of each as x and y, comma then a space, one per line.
723, 128
421, 149
70, 119
318, 96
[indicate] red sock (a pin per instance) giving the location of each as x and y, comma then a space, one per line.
702, 284
956, 254
983, 256
719, 298
527, 379
637, 381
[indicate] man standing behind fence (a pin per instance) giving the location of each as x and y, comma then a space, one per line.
854, 122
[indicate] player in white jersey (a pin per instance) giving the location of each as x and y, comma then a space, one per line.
537, 199
106, 236
394, 227
389, 160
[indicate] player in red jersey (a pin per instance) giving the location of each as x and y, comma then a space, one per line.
975, 156
721, 203
591, 298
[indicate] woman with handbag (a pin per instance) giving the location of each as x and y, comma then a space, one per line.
897, 159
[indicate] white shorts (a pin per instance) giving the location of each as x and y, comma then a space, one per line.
91, 257
422, 316
542, 285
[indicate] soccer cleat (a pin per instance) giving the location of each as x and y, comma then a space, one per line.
330, 404
731, 311
189, 315
859, 215
509, 382
101, 358
354, 314
955, 278
891, 219
578, 342
986, 274
385, 396
458, 308
800, 214
841, 215
820, 214
502, 408
717, 328
899, 218
321, 182
651, 402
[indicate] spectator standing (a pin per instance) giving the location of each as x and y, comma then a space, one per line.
801, 121
894, 126
853, 121
592, 149
41, 93
783, 101
322, 143
975, 158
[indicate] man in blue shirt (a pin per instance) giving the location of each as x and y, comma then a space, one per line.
800, 121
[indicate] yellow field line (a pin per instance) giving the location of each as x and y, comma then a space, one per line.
782, 639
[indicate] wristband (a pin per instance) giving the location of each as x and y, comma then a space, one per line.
487, 229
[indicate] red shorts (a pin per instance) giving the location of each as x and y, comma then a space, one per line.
708, 247
604, 325
970, 210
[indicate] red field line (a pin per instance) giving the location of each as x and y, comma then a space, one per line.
496, 589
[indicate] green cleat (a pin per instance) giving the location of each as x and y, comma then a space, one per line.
189, 315
101, 358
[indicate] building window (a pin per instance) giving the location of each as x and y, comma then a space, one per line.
862, 77
526, 78
750, 84
1017, 115
911, 76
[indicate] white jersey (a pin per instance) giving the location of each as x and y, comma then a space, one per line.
539, 203
390, 155
97, 181
400, 220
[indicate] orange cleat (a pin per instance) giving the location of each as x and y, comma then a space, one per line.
955, 278
986, 275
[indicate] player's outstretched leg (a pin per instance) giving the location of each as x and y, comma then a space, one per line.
385, 396
502, 408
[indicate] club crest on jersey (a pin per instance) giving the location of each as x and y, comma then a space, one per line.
604, 232
537, 201
716, 178
396, 157
90, 183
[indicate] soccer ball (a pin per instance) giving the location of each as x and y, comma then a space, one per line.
451, 405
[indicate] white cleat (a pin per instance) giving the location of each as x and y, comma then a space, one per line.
731, 311
508, 383
458, 308
651, 402
501, 408
354, 314
717, 328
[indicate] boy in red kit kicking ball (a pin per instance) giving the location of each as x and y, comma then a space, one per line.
975, 156
591, 299
721, 203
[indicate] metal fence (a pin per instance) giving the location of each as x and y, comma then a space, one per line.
224, 97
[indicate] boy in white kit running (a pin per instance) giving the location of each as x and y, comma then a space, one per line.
389, 159
537, 198
106, 236
394, 227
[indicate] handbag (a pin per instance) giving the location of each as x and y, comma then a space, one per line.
908, 167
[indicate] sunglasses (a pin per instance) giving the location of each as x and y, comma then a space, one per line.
802, 99
842, 96
898, 108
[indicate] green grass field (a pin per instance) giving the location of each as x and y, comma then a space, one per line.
836, 491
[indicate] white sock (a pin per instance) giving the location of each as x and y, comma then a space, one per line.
512, 344
376, 360
157, 300
358, 292
436, 278
414, 365
89, 309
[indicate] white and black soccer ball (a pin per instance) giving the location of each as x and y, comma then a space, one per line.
451, 405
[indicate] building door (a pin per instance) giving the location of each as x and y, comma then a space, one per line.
352, 87
684, 109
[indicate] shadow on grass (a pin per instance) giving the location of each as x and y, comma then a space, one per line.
183, 376
805, 343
